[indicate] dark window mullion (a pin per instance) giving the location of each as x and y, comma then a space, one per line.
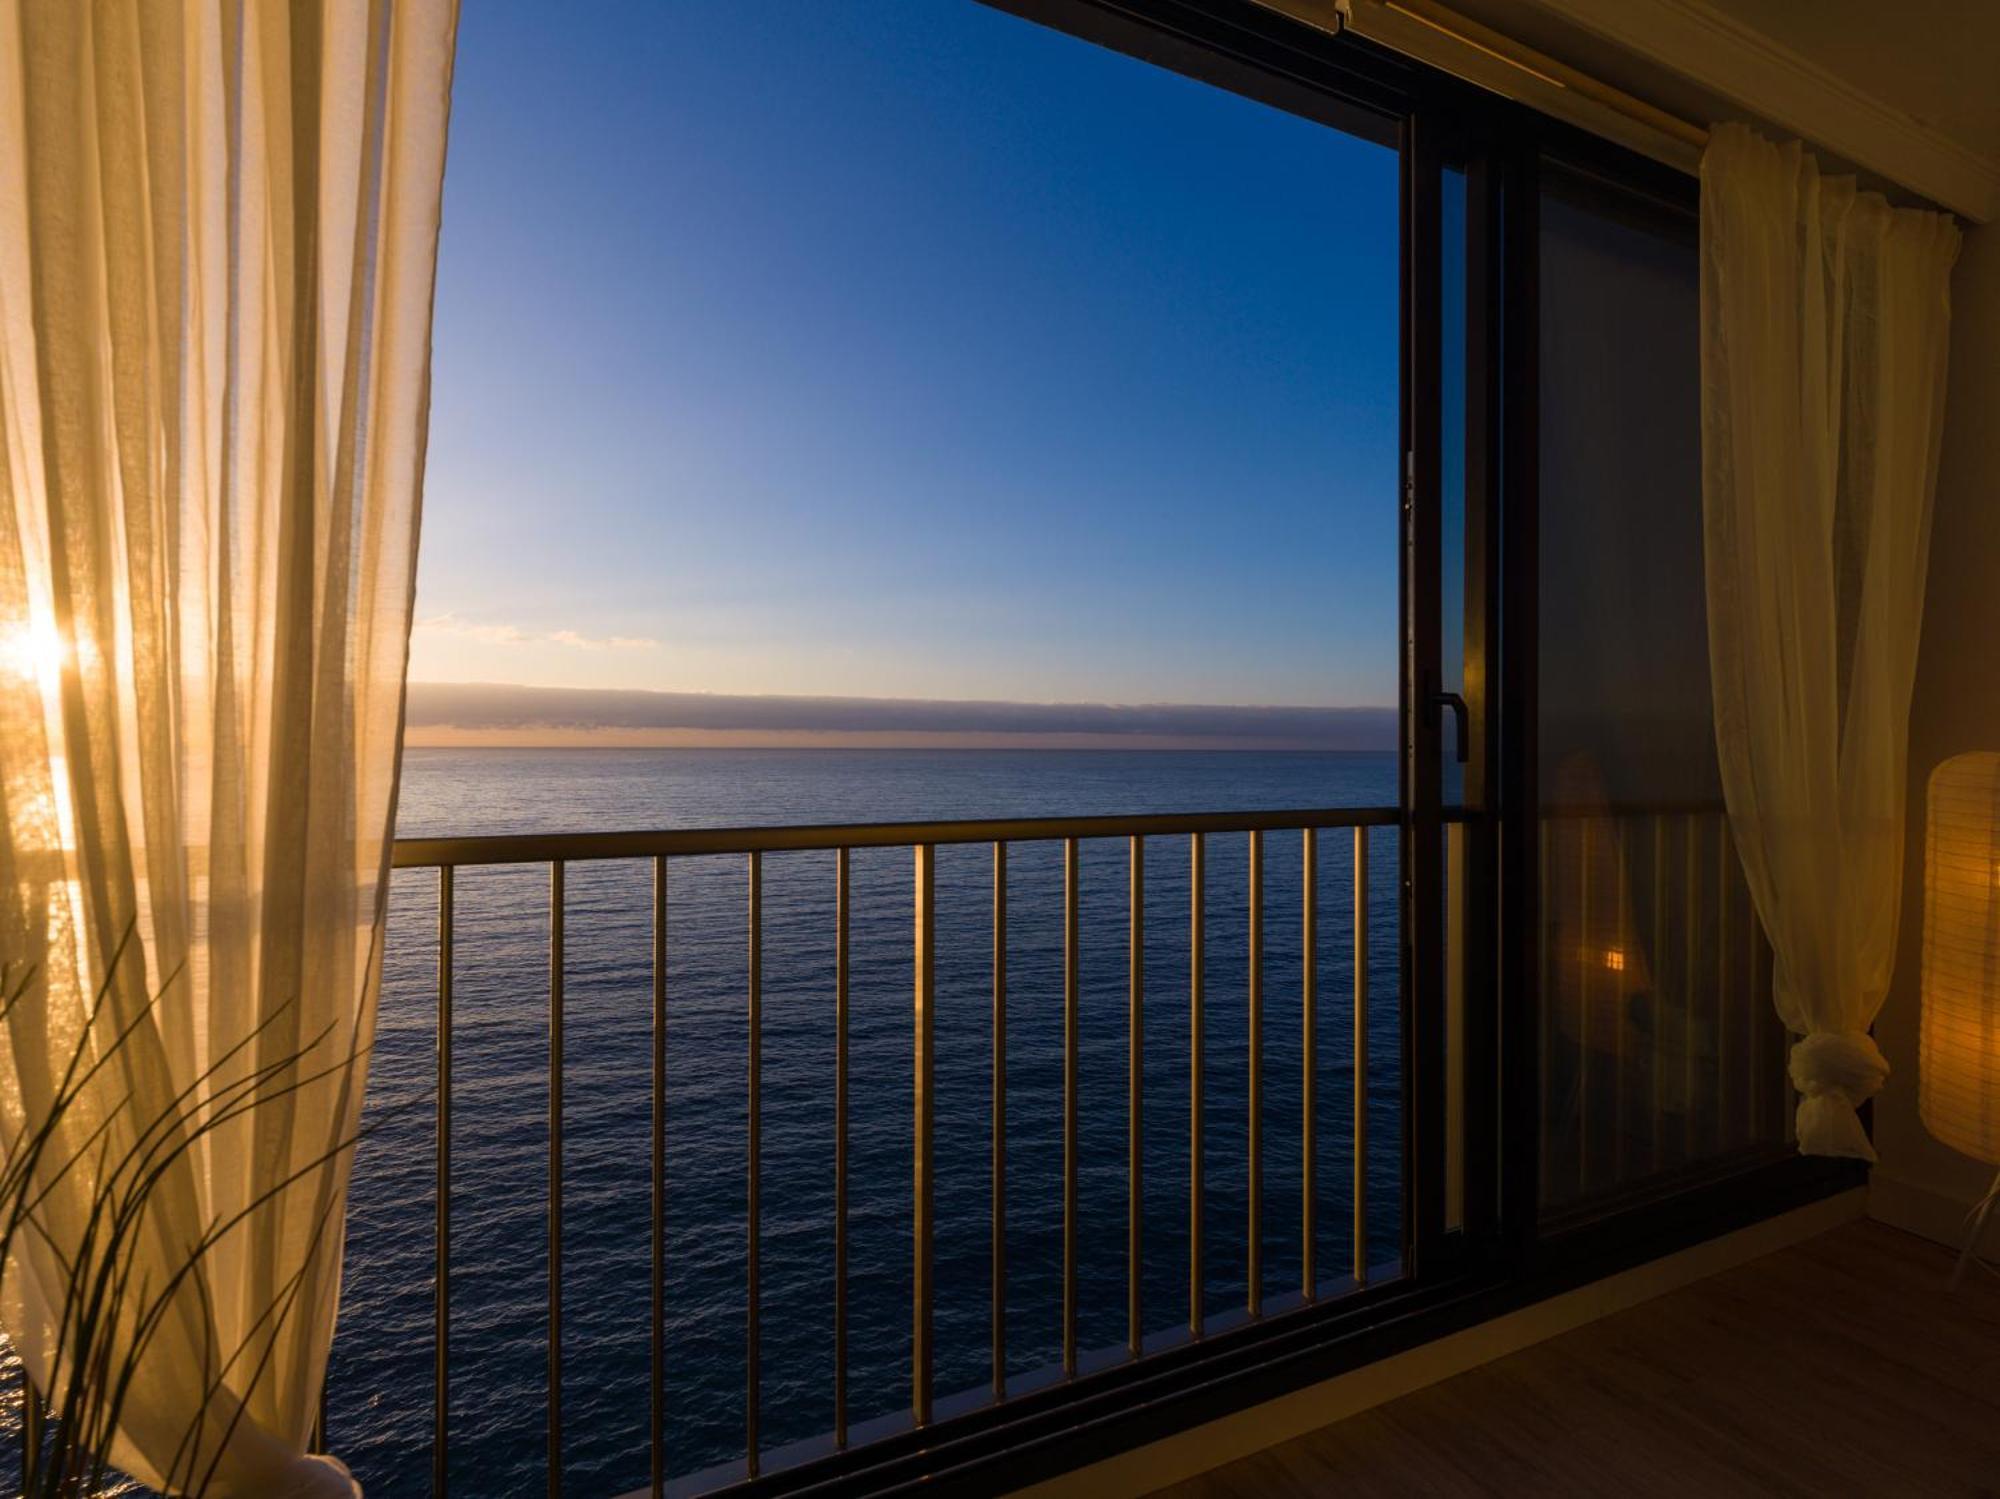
1423, 1051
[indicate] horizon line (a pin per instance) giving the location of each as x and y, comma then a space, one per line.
476, 714
887, 698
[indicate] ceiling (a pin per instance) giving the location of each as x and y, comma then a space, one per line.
1889, 84
1937, 61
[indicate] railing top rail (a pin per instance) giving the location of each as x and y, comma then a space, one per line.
544, 848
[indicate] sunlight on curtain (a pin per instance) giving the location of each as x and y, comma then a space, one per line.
1825, 315
218, 233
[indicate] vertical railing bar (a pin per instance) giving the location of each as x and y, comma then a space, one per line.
1761, 996
656, 1419
1309, 1046
555, 1174
1774, 1038
922, 1149
441, 1372
842, 873
999, 1271
1583, 990
1723, 1138
1621, 984
1753, 1046
1454, 920
1360, 1163
1135, 1106
753, 1361
33, 1431
1781, 1097
1255, 1066
1788, 1105
1197, 957
1656, 992
1546, 1017
1691, 851
1071, 1040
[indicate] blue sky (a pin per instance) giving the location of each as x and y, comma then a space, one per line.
901, 348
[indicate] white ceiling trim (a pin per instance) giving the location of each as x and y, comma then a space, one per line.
1773, 83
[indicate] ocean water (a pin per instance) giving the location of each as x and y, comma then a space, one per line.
380, 1380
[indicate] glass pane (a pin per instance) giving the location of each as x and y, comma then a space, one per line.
1661, 1052
1454, 259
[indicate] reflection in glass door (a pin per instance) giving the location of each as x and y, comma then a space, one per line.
1661, 1055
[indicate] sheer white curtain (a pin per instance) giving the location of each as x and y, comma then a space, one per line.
218, 232
1825, 314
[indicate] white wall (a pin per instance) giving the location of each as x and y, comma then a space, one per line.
1920, 1184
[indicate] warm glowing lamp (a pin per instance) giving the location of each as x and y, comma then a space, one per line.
1958, 1089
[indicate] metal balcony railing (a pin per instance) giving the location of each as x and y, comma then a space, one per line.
448, 855
1659, 1054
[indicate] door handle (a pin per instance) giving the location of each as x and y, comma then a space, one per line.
1461, 718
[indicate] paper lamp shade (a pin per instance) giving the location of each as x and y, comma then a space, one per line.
1958, 1062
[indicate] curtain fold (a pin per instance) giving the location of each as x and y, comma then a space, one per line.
218, 235
1824, 324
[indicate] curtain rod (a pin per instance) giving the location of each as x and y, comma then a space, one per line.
1456, 44
1835, 116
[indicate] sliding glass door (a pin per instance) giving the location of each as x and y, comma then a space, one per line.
1589, 987
1661, 1055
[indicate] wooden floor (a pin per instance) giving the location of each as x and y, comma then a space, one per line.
1841, 1367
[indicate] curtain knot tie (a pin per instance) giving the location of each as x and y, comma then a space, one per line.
273, 1474
1836, 1072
